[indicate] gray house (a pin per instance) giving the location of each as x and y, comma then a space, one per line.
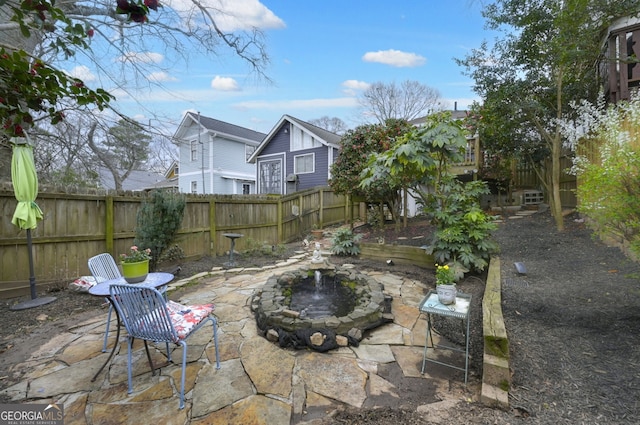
294, 156
213, 156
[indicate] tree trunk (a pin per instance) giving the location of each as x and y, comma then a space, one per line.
556, 151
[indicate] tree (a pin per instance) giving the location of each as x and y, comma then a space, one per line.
38, 36
546, 60
157, 223
334, 124
421, 160
357, 145
408, 101
125, 149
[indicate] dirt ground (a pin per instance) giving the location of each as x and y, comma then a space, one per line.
573, 321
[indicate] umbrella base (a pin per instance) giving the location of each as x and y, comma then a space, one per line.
36, 302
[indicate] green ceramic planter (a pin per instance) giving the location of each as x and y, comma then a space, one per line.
135, 272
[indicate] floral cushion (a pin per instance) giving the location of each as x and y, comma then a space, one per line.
186, 317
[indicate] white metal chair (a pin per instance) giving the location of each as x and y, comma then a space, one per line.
103, 267
148, 316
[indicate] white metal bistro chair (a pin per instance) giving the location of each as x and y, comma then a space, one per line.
148, 316
103, 267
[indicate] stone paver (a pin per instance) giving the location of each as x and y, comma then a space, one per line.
258, 382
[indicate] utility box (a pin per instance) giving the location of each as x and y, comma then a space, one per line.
532, 197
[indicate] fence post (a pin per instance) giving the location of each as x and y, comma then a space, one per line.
321, 215
213, 248
280, 221
108, 228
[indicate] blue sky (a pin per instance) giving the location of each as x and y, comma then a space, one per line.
323, 54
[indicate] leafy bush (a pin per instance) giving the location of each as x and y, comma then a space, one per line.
608, 168
344, 242
257, 248
157, 223
463, 230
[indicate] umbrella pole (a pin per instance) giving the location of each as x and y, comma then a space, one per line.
32, 273
34, 301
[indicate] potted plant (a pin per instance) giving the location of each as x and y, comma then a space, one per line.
135, 264
446, 284
317, 232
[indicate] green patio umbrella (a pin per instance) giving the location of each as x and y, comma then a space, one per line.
27, 214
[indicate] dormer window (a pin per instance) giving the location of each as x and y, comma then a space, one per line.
300, 139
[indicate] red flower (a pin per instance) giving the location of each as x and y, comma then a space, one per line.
151, 4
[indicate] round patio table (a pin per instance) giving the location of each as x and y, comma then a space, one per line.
153, 280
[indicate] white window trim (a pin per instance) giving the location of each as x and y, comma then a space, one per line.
194, 186
193, 150
313, 163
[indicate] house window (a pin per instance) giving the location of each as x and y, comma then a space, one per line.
246, 188
248, 151
194, 186
302, 140
303, 163
194, 151
270, 176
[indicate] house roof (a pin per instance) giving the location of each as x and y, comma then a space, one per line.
456, 114
222, 128
325, 137
136, 181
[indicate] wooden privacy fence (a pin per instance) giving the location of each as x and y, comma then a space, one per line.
77, 227
525, 177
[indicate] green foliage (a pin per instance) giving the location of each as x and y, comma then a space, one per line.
128, 144
254, 247
546, 59
609, 189
158, 221
344, 242
357, 145
463, 230
421, 158
30, 88
445, 275
173, 253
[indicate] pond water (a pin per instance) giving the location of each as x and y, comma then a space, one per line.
322, 296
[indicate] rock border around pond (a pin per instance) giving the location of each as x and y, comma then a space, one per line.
279, 323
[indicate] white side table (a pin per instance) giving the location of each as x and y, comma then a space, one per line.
460, 310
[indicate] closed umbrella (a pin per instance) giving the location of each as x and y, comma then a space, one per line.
27, 214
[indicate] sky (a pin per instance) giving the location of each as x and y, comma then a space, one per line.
323, 54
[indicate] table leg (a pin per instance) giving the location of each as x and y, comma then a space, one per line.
426, 343
115, 345
466, 354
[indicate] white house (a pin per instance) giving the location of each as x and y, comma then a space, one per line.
213, 156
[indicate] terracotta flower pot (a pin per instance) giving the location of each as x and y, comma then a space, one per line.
135, 272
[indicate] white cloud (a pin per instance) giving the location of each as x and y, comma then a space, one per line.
82, 72
339, 102
231, 15
351, 87
224, 84
160, 77
142, 57
395, 58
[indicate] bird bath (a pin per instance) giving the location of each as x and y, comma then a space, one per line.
321, 297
